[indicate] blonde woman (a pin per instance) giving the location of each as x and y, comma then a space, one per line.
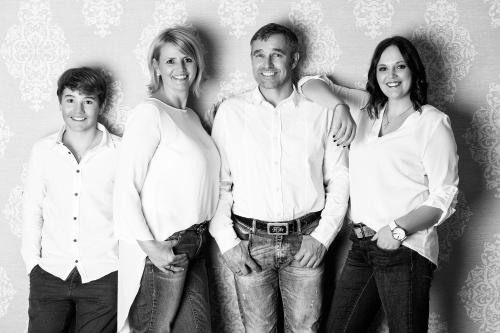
166, 190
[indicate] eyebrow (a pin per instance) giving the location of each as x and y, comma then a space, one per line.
397, 62
274, 50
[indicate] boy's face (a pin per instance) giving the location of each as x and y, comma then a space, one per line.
79, 110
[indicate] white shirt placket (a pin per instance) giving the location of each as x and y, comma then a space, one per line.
77, 186
276, 155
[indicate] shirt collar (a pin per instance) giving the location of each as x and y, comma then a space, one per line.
258, 98
106, 139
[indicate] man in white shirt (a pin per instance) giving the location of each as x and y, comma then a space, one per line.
284, 190
68, 243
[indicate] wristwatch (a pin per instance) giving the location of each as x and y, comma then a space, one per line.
398, 233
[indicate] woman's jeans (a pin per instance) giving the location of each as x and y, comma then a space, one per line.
300, 287
175, 301
399, 280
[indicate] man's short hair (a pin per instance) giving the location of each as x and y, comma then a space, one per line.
87, 80
277, 29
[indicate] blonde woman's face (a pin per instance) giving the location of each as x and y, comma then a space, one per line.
177, 70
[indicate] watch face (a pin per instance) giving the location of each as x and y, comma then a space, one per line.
399, 234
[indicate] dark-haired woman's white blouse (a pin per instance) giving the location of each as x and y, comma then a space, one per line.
391, 175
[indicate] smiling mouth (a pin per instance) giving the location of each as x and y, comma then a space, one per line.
268, 73
78, 118
180, 77
393, 84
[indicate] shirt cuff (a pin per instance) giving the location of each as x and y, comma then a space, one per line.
445, 200
325, 232
226, 239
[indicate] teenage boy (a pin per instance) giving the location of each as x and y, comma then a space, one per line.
68, 242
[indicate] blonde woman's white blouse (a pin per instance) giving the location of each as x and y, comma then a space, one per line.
167, 180
391, 175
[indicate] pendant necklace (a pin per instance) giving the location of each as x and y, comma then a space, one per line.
386, 122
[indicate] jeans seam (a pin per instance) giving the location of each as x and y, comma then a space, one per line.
356, 303
194, 313
153, 298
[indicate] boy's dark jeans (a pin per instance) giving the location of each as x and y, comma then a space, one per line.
57, 305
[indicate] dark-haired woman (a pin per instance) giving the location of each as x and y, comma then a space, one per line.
403, 183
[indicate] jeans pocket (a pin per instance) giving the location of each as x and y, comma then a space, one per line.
190, 243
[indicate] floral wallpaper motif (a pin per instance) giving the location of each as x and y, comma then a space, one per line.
7, 292
166, 14
483, 138
494, 12
373, 15
446, 50
5, 134
12, 210
35, 52
238, 15
321, 48
102, 14
481, 291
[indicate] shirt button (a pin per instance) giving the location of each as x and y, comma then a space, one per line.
69, 152
76, 261
74, 218
76, 194
74, 240
77, 171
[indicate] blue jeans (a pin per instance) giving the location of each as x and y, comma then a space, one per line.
300, 287
57, 306
398, 280
175, 301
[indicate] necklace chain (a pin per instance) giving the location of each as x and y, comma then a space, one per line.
388, 122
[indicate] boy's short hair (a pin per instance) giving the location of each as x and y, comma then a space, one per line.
87, 80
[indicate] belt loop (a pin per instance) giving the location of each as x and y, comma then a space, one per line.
299, 226
254, 226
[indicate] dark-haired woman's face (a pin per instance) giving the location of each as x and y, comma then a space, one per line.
393, 74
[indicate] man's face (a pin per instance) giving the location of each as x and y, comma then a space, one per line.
79, 110
273, 62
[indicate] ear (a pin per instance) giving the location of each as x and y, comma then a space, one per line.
155, 66
295, 59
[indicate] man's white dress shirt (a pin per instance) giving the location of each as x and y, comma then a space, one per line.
278, 163
167, 180
391, 175
68, 209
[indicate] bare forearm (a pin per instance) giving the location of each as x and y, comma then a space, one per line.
419, 219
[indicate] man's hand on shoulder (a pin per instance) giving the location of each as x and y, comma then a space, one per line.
239, 260
311, 252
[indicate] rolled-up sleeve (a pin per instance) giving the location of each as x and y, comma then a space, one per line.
140, 140
440, 161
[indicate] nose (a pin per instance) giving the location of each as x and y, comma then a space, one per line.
81, 109
268, 62
183, 66
393, 72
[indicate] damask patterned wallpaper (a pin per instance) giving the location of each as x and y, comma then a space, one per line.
458, 40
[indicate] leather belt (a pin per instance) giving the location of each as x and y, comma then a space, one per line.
279, 228
362, 231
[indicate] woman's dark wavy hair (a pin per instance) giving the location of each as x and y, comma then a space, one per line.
418, 88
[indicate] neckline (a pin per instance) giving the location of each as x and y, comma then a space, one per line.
168, 105
379, 123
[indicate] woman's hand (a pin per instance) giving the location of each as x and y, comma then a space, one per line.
343, 126
385, 240
162, 255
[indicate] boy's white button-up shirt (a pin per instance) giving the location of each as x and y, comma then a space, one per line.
68, 209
